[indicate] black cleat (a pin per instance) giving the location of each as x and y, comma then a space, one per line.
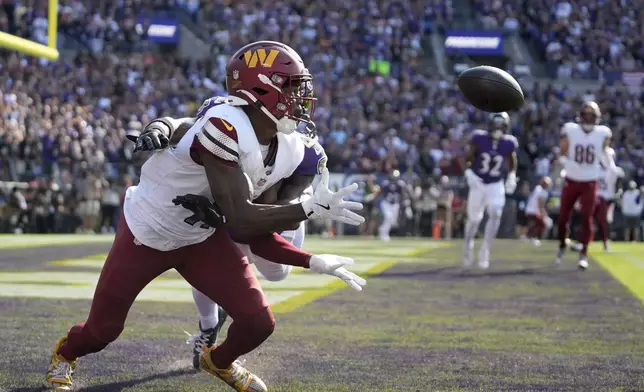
205, 337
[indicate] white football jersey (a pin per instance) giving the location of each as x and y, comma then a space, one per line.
224, 131
608, 184
538, 194
585, 149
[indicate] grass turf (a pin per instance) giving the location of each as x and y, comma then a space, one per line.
423, 325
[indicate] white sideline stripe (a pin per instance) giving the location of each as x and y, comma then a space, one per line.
635, 260
359, 266
56, 280
87, 292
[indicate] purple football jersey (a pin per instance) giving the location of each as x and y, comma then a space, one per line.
392, 190
314, 159
491, 155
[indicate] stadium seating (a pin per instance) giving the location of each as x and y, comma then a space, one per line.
577, 39
63, 125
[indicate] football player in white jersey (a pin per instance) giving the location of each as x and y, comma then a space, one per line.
584, 146
288, 190
536, 211
609, 190
227, 156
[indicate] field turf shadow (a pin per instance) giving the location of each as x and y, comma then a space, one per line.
120, 385
455, 272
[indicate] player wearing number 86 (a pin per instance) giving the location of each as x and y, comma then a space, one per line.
584, 148
490, 152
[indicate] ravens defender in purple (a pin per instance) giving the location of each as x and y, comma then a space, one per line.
491, 173
294, 189
392, 192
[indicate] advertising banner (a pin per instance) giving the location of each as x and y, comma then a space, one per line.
159, 30
482, 43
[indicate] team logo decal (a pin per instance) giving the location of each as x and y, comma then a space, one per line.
229, 127
235, 74
259, 56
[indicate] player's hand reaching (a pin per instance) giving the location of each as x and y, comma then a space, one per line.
511, 183
335, 266
331, 205
204, 210
155, 136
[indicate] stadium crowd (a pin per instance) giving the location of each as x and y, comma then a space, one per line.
579, 39
381, 106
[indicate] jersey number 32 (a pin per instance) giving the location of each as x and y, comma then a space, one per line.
491, 164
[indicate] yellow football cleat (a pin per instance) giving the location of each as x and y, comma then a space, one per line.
238, 377
59, 375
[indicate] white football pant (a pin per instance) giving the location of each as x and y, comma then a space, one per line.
208, 311
389, 218
490, 198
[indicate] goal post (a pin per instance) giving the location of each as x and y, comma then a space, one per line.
32, 48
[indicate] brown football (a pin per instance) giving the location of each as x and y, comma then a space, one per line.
490, 89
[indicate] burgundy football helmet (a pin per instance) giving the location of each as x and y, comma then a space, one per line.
272, 77
589, 115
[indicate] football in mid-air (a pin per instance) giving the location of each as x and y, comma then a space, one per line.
490, 89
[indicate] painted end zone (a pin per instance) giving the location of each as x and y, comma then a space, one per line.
75, 278
309, 296
626, 264
11, 241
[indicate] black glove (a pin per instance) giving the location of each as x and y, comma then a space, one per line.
204, 211
155, 136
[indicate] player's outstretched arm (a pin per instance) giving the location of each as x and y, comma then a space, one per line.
511, 180
231, 191
607, 158
161, 133
292, 188
566, 162
287, 191
472, 179
275, 248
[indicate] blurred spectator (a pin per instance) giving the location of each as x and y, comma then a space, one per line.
110, 207
577, 39
632, 208
428, 195
381, 108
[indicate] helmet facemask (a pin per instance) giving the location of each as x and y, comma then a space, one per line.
498, 125
588, 119
295, 100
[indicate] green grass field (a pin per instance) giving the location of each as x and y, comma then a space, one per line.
422, 323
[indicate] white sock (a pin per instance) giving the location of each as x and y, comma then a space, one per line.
208, 316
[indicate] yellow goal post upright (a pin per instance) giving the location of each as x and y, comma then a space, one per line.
32, 48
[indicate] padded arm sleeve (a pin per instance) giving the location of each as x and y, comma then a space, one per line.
219, 137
